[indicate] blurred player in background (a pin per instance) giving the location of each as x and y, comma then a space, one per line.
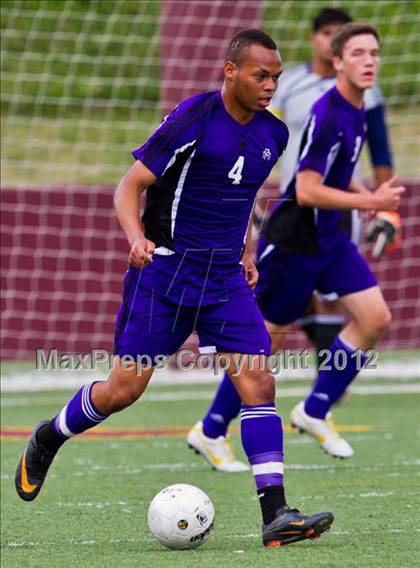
305, 248
203, 167
304, 84
298, 90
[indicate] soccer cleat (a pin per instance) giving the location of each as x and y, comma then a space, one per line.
32, 467
323, 431
217, 451
291, 526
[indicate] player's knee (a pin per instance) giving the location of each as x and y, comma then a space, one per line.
256, 387
383, 320
378, 322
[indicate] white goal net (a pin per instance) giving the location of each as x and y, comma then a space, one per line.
85, 82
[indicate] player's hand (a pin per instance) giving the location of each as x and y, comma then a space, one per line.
385, 231
388, 195
251, 272
141, 253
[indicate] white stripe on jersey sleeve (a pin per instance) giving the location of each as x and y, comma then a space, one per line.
177, 151
312, 121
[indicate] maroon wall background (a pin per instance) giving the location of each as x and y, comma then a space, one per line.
194, 36
64, 257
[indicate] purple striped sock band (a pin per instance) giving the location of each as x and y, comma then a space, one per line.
262, 411
267, 469
267, 457
79, 414
87, 405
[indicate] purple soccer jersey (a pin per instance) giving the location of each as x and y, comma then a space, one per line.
331, 143
209, 169
305, 249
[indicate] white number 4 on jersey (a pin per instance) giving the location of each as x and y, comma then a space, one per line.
236, 172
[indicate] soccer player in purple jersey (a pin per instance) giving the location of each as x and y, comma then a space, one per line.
304, 248
203, 167
298, 90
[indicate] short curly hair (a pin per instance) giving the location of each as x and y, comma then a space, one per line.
242, 41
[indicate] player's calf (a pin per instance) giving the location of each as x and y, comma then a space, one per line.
124, 386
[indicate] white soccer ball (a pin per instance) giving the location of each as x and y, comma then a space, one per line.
181, 516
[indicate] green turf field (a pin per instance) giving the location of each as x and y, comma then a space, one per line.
92, 510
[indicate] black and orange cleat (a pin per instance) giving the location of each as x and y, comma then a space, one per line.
291, 526
32, 467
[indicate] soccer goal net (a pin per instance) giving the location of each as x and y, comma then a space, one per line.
84, 82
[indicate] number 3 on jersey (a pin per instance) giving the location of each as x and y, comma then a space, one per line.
236, 172
357, 144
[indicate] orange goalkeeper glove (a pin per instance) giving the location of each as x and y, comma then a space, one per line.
385, 231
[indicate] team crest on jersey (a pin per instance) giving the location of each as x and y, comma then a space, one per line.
266, 155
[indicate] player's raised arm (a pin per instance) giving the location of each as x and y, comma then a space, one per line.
126, 201
311, 192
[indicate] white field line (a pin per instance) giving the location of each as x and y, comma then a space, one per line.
61, 380
99, 542
286, 392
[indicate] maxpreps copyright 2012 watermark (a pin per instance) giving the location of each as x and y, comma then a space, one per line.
188, 359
